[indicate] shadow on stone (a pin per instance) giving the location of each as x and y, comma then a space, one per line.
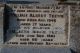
72, 51
10, 23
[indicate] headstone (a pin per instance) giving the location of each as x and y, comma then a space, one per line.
38, 25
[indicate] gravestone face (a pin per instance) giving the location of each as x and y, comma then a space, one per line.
49, 20
38, 25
